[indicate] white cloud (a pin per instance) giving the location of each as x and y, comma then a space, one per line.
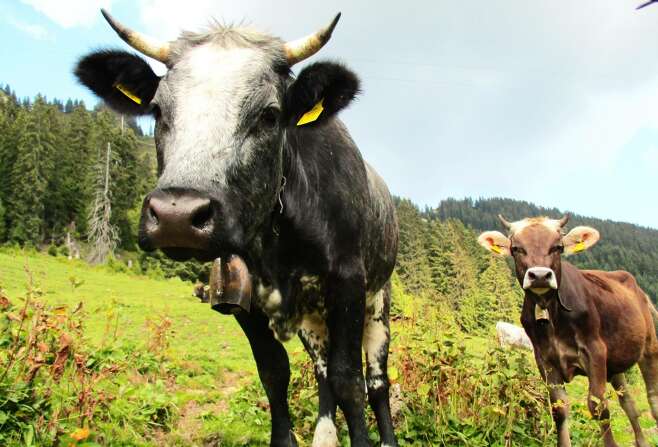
35, 31
166, 18
650, 156
70, 13
477, 98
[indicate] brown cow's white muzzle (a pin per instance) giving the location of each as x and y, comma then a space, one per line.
539, 280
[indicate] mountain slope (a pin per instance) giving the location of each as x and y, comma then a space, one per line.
623, 246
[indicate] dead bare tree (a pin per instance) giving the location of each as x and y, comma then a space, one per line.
102, 236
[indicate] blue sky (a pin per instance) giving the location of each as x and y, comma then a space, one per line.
551, 102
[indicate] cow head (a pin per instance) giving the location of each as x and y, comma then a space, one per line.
537, 245
222, 111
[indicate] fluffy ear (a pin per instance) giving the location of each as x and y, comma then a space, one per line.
496, 242
580, 239
320, 91
123, 80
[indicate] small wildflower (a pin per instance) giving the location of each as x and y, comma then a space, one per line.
80, 434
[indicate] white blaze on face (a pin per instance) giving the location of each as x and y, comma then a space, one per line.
201, 99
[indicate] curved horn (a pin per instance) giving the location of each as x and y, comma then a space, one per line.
144, 44
564, 220
300, 49
504, 221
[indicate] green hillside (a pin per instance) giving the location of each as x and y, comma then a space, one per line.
117, 355
623, 246
144, 363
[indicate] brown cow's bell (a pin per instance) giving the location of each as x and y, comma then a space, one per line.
230, 286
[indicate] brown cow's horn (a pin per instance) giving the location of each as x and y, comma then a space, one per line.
144, 44
300, 49
564, 220
504, 221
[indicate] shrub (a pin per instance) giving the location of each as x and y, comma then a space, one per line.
57, 389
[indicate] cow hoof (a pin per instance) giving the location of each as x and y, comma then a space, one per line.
288, 441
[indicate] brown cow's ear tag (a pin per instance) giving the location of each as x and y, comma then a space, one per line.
580, 246
312, 114
130, 95
496, 249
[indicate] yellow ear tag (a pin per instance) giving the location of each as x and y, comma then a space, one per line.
580, 246
496, 249
122, 88
312, 114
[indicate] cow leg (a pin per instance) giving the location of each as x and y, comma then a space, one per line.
649, 367
559, 404
274, 372
596, 401
346, 297
315, 338
626, 400
376, 338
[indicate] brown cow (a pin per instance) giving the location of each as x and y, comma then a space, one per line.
580, 322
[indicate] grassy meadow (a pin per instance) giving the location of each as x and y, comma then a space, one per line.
142, 363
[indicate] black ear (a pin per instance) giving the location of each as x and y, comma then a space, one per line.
123, 80
330, 82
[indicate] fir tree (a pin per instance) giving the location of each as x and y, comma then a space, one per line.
25, 205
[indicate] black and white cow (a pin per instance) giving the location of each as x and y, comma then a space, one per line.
253, 163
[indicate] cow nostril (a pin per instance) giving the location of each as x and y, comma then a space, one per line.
549, 274
152, 214
531, 275
202, 215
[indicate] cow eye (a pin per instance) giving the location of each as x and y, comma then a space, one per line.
518, 250
269, 116
557, 249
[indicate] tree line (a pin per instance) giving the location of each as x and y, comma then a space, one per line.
441, 261
51, 153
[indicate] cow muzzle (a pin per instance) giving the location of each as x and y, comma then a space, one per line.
539, 280
181, 223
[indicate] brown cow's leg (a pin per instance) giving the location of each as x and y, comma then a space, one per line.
559, 405
649, 367
626, 400
596, 401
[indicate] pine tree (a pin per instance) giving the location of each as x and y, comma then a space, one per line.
70, 192
27, 184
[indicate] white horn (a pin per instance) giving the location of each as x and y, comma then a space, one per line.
142, 43
300, 49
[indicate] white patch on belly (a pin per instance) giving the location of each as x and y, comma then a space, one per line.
325, 433
285, 319
273, 300
316, 335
